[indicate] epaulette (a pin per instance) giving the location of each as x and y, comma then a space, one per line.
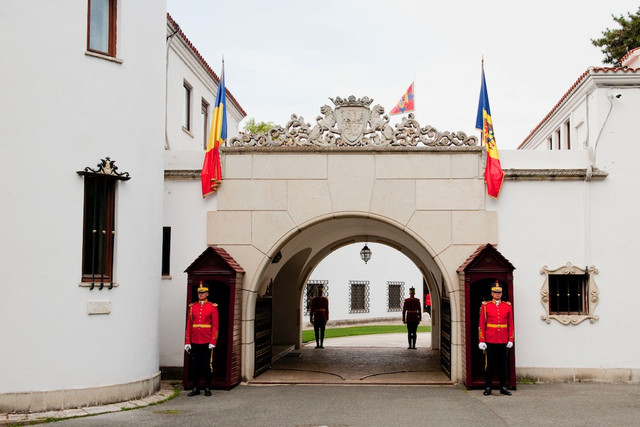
484, 302
212, 303
507, 302
191, 305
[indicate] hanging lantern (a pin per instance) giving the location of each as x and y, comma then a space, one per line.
365, 254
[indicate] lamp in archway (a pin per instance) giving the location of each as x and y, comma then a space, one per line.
365, 253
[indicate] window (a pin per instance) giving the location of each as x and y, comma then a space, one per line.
359, 296
395, 296
570, 294
99, 222
558, 139
166, 251
550, 143
567, 130
205, 121
186, 121
312, 291
102, 27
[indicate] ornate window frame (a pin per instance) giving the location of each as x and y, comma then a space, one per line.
592, 293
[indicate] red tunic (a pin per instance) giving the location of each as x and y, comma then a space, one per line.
496, 322
411, 310
319, 309
202, 323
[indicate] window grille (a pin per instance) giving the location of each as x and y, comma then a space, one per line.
312, 290
359, 296
395, 296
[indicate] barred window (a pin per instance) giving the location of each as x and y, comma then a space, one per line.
570, 294
567, 293
395, 296
312, 290
359, 296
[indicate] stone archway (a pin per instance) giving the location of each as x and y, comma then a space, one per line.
289, 201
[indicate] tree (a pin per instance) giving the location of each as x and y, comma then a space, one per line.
252, 127
617, 42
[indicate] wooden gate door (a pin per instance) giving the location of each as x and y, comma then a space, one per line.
445, 336
263, 335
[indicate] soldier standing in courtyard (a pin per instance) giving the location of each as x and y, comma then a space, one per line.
319, 315
411, 316
200, 340
495, 334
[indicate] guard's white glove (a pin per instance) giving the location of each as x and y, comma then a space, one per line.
509, 344
482, 346
187, 348
211, 346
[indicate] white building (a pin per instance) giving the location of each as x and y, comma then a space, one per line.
359, 291
89, 318
191, 93
80, 87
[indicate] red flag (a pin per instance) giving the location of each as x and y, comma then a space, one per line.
211, 171
493, 174
405, 104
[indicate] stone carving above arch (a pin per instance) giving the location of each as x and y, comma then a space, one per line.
351, 123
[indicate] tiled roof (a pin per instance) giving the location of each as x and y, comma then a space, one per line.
212, 253
589, 71
477, 252
215, 77
624, 58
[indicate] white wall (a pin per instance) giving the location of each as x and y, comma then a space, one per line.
62, 111
550, 223
185, 211
386, 265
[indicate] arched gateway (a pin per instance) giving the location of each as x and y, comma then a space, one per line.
291, 197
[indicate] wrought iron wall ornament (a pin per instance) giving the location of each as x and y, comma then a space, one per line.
106, 167
353, 123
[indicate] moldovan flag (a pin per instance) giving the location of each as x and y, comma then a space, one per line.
493, 174
405, 104
211, 171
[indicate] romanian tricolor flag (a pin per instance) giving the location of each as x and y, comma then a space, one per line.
493, 174
211, 171
405, 104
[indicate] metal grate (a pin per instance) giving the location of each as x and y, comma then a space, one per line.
312, 290
359, 296
395, 296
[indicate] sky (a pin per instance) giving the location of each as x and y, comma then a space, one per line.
286, 57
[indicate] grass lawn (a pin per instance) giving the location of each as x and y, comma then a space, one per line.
361, 330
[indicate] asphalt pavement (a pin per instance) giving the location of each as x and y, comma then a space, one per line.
366, 404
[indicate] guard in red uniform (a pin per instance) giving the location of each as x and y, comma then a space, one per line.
200, 339
495, 335
411, 316
319, 315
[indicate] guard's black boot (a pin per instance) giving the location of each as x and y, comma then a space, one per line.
503, 390
487, 391
194, 392
207, 392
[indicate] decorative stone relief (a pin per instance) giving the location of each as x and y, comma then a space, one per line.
591, 289
353, 123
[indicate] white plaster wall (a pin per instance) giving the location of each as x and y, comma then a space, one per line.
185, 211
183, 65
62, 111
386, 265
586, 223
